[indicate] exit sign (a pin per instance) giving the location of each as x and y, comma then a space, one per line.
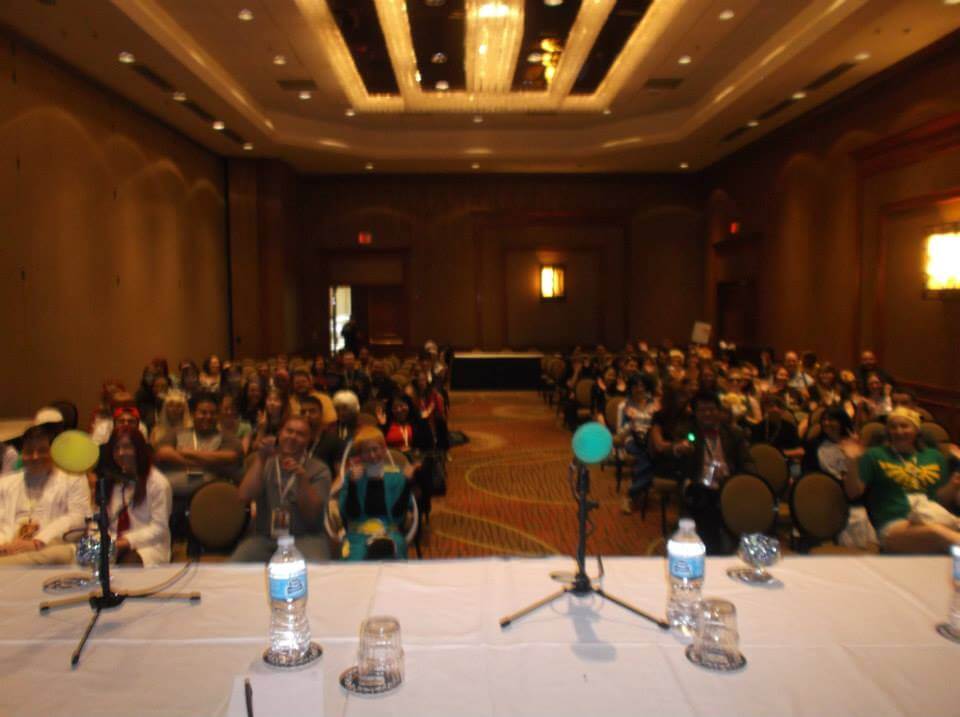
364, 238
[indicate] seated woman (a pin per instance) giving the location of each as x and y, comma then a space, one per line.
373, 496
907, 490
744, 408
609, 385
831, 447
174, 417
211, 375
406, 432
275, 409
231, 424
139, 500
634, 417
877, 403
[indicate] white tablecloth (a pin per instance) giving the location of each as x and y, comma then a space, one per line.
841, 636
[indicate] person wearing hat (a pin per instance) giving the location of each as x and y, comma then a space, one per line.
907, 489
291, 490
39, 505
373, 496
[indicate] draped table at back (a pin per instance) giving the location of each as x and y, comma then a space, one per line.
841, 636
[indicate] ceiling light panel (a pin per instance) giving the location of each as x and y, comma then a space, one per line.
493, 32
437, 34
546, 33
493, 35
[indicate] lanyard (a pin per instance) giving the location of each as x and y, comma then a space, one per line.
284, 488
405, 432
711, 446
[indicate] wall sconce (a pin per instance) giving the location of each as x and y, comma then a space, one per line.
942, 263
552, 286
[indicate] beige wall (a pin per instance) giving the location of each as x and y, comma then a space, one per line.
466, 236
111, 238
820, 212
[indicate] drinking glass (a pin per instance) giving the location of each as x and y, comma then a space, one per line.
716, 643
759, 551
380, 654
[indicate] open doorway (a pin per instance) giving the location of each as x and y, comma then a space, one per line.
341, 307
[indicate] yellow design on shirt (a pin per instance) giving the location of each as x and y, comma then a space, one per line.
910, 476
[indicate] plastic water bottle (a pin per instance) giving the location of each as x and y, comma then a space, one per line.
954, 616
289, 627
685, 558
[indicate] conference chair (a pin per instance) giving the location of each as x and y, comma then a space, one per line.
820, 511
772, 466
933, 433
872, 434
748, 505
216, 518
583, 394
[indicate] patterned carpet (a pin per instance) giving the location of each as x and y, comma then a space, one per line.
508, 491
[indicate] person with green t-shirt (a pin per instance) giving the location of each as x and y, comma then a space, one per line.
906, 488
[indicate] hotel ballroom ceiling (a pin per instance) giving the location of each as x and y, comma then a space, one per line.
480, 85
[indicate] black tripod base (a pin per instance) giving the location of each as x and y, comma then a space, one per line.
109, 601
581, 586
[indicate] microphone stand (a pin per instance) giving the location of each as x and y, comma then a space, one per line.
580, 584
107, 598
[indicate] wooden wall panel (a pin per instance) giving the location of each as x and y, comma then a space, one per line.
458, 227
117, 238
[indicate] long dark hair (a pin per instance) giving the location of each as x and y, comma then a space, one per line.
144, 461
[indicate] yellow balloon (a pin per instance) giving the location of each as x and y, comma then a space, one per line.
74, 452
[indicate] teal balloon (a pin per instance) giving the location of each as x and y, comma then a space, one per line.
592, 442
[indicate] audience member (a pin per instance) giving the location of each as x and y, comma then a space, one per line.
211, 376
276, 407
352, 378
878, 401
196, 456
634, 417
716, 452
869, 365
291, 490
174, 417
302, 387
39, 505
776, 430
139, 500
907, 489
373, 497
231, 424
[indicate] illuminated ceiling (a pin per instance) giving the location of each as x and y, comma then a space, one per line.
481, 85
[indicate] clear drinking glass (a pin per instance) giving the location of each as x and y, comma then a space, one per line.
380, 654
716, 644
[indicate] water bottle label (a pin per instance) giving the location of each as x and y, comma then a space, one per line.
292, 588
690, 568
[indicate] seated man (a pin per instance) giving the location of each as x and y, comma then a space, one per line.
373, 498
291, 490
199, 455
38, 505
330, 443
716, 452
352, 378
302, 385
382, 387
907, 489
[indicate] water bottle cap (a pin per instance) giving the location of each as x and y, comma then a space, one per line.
687, 524
285, 541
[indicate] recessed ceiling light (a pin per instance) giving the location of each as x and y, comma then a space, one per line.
279, 60
861, 56
438, 58
475, 165
245, 15
304, 95
219, 126
350, 112
607, 111
535, 58
753, 123
247, 146
553, 3
179, 96
442, 85
726, 15
482, 49
478, 119
799, 95
685, 59
951, 2
368, 166
684, 165
126, 58
417, 77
